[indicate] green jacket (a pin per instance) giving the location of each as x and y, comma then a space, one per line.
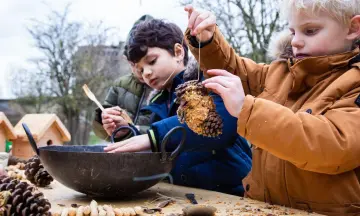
128, 94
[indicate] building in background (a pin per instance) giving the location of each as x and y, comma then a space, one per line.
107, 60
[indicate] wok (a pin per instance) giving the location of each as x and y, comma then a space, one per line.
90, 170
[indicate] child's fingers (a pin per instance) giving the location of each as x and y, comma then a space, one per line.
113, 146
117, 108
218, 72
219, 80
200, 18
107, 126
189, 9
113, 118
217, 88
192, 19
112, 111
130, 147
107, 120
117, 118
203, 21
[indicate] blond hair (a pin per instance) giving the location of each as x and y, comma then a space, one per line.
341, 10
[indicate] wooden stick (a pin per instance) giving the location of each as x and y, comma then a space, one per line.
92, 97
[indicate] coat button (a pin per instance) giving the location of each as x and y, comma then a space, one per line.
247, 187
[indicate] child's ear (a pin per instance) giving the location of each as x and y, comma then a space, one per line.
179, 52
354, 28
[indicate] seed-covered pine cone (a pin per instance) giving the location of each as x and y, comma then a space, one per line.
16, 171
36, 174
18, 198
197, 109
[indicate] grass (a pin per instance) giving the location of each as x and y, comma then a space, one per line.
93, 139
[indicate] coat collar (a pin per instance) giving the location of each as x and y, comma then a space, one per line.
309, 71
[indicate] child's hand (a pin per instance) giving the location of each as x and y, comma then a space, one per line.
134, 144
202, 24
111, 120
229, 87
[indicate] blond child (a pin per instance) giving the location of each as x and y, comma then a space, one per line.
301, 112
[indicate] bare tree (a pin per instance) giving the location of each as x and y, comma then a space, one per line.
72, 54
30, 87
247, 25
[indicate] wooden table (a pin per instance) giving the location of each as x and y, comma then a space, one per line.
60, 195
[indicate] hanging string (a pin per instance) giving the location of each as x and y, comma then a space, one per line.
199, 59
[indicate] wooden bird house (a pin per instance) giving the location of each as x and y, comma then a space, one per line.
47, 129
7, 131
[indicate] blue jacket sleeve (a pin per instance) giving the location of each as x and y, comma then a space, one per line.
158, 131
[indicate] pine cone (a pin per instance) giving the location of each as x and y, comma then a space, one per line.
197, 109
192, 85
24, 199
212, 125
15, 160
36, 174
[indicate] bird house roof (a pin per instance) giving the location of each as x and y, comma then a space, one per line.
39, 124
9, 129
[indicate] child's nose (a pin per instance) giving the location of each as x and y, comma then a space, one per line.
147, 72
297, 42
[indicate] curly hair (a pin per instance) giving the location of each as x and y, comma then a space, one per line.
155, 33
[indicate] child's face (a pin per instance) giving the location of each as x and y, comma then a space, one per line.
136, 73
317, 35
156, 67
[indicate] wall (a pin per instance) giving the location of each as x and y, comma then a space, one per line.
22, 149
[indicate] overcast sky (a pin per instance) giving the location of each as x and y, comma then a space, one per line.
16, 43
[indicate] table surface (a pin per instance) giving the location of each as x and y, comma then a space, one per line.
60, 196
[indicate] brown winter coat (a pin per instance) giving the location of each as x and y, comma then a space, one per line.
303, 118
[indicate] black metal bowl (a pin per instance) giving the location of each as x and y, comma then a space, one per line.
90, 170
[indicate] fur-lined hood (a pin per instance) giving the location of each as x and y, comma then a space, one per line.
280, 45
190, 73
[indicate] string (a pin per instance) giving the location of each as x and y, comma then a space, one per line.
199, 59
